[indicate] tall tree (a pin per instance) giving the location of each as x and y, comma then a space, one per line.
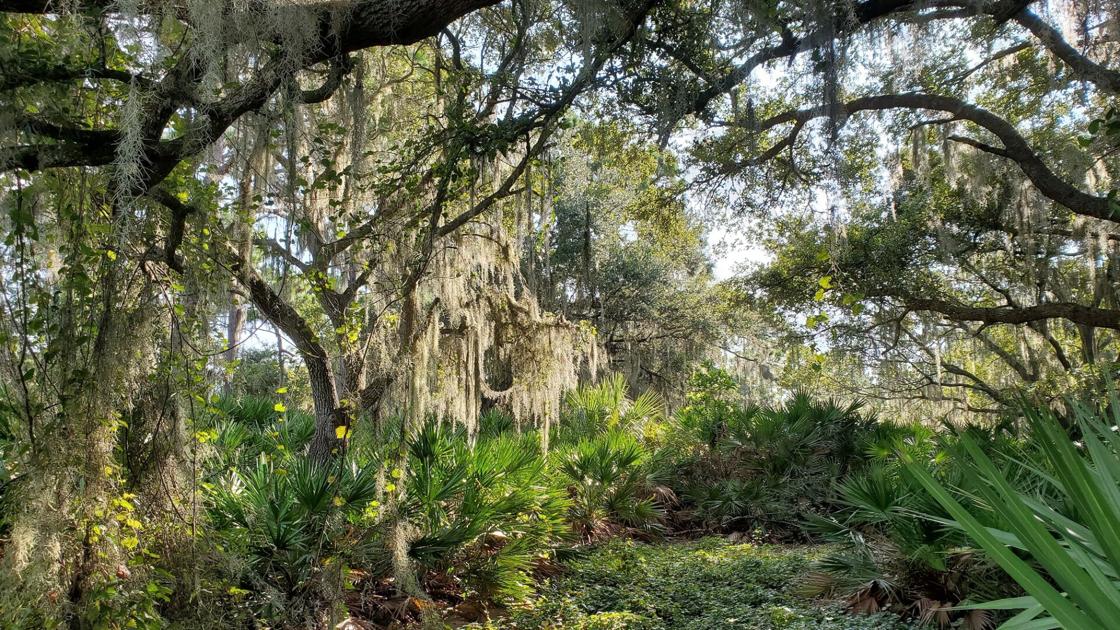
939, 175
149, 151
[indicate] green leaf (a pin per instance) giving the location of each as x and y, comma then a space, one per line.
1031, 581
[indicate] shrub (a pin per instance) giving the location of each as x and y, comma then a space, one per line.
741, 466
1073, 582
293, 520
891, 554
733, 503
891, 557
593, 409
610, 491
711, 406
484, 515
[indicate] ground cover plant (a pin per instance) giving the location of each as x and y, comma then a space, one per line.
706, 583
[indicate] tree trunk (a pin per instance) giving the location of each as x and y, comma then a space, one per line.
234, 328
329, 414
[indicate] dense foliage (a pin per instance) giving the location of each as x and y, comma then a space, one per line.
437, 522
709, 583
383, 313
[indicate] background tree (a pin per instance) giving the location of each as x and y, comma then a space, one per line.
945, 215
625, 252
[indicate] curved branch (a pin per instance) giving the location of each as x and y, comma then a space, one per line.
343, 27
1076, 313
180, 211
546, 116
854, 16
23, 77
35, 157
845, 21
1015, 146
1095, 73
55, 131
339, 68
274, 247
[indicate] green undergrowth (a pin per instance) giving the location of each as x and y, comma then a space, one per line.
709, 583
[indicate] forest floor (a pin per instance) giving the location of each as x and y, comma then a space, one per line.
699, 585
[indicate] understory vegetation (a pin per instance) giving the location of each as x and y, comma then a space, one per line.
804, 514
707, 583
653, 314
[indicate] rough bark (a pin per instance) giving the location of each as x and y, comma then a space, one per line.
329, 412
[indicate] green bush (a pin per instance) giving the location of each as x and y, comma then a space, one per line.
293, 521
483, 515
479, 517
606, 406
711, 407
890, 554
1073, 574
610, 490
741, 467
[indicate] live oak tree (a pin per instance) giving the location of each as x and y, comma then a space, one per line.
150, 150
938, 177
